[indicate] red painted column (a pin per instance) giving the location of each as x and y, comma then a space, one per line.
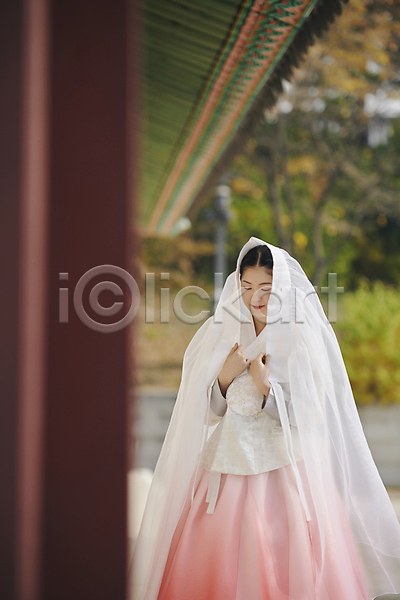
11, 101
33, 293
69, 122
85, 529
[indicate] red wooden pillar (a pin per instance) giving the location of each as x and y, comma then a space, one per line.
11, 103
69, 76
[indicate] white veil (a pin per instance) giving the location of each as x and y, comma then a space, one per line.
337, 478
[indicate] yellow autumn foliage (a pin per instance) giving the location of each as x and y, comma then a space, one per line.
302, 164
368, 329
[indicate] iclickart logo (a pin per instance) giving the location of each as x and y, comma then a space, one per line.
126, 296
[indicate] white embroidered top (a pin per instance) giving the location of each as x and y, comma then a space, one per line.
248, 439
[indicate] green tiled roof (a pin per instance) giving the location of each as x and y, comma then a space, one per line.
209, 67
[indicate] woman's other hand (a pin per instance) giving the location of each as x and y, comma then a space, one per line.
234, 364
260, 369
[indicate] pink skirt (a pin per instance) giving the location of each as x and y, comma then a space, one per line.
257, 545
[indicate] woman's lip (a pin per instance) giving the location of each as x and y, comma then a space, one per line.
257, 306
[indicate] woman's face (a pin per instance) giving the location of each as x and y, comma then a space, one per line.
256, 286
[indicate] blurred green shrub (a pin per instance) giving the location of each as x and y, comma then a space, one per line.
368, 330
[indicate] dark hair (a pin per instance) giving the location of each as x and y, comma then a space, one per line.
259, 256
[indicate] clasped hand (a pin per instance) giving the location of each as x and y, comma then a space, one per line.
235, 364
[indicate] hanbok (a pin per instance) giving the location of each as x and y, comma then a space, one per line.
246, 535
275, 500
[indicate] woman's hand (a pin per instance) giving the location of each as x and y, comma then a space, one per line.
234, 364
260, 369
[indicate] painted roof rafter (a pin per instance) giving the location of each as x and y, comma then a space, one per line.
264, 42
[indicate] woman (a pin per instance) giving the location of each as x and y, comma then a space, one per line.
265, 487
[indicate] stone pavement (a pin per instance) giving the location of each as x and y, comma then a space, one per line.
394, 494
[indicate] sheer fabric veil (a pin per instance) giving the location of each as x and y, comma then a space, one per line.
336, 473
